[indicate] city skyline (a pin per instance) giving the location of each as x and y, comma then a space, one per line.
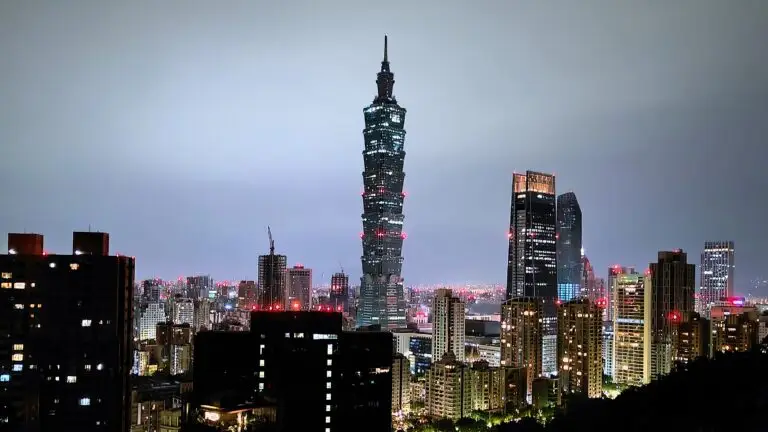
200, 130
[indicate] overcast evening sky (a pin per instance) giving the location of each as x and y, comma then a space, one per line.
184, 128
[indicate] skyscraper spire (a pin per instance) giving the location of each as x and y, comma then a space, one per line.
385, 80
385, 50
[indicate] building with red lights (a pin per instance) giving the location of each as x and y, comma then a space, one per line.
734, 325
382, 300
271, 289
67, 326
298, 284
339, 293
673, 282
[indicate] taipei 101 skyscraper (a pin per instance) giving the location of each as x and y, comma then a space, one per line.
381, 288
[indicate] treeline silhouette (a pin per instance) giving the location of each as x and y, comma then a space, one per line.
727, 393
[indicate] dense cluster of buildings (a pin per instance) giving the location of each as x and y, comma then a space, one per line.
83, 347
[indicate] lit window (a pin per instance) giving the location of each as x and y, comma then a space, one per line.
330, 349
85, 401
327, 419
287, 335
71, 379
327, 396
18, 347
17, 357
5, 378
18, 367
100, 366
327, 429
6, 275
38, 305
298, 335
261, 386
6, 285
328, 385
261, 362
19, 285
86, 323
52, 265
31, 305
261, 374
261, 349
18, 306
87, 367
329, 362
74, 266
327, 408
328, 374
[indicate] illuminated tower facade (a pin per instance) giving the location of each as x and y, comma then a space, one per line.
580, 347
532, 258
716, 279
631, 327
521, 328
568, 247
381, 289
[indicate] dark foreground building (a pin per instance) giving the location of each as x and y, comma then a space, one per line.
315, 375
65, 336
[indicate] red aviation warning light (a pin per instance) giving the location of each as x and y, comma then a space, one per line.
362, 235
338, 308
295, 305
404, 194
510, 235
558, 302
380, 233
602, 302
674, 316
403, 236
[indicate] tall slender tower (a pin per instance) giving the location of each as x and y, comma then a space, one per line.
716, 279
568, 247
532, 258
381, 286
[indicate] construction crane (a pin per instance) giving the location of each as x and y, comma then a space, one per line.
271, 242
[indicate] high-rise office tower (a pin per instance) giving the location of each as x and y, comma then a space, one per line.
339, 295
673, 281
631, 327
521, 328
717, 268
272, 293
298, 284
569, 272
447, 325
151, 314
734, 326
67, 336
381, 292
580, 347
693, 338
532, 258
183, 311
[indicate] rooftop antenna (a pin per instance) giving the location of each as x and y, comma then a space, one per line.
385, 49
341, 267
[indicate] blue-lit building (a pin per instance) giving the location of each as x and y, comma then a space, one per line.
421, 354
381, 293
569, 244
